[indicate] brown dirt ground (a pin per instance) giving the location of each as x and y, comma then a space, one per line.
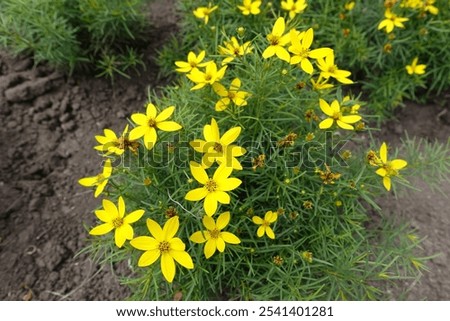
47, 124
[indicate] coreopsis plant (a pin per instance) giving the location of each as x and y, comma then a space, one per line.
261, 178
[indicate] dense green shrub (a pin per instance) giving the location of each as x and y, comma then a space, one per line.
67, 33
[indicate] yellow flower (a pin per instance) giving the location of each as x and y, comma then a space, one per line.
164, 244
265, 228
320, 84
329, 69
209, 77
387, 168
114, 218
349, 5
391, 20
428, 6
214, 237
300, 48
277, 42
149, 122
334, 113
204, 12
111, 144
214, 189
234, 50
219, 149
100, 180
294, 7
250, 7
414, 68
193, 62
231, 95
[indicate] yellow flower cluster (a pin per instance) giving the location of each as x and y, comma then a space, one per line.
299, 53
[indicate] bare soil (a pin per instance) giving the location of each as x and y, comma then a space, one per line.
47, 127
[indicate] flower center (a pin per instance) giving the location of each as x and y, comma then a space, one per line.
117, 222
332, 69
164, 246
336, 116
389, 170
231, 94
274, 40
100, 178
218, 147
211, 185
214, 233
151, 123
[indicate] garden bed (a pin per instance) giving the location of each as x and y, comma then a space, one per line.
47, 127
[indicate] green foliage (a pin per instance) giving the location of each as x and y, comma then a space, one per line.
376, 59
333, 242
66, 33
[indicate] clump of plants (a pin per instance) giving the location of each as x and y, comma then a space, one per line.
244, 180
100, 34
395, 49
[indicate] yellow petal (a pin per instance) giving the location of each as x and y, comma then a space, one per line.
220, 244
222, 173
110, 207
383, 153
198, 172
144, 243
102, 229
133, 216
196, 194
123, 233
168, 126
104, 216
198, 237
271, 216
229, 184
381, 172
278, 27
261, 230
387, 183
150, 138
167, 267
351, 119
325, 107
326, 123
306, 66
283, 54
171, 227
138, 132
222, 197
208, 222
183, 258
148, 258
230, 238
177, 244
344, 125
257, 220
140, 119
210, 204
151, 111
223, 220
155, 230
210, 248
230, 136
198, 145
166, 113
100, 188
220, 89
121, 207
398, 163
270, 232
268, 52
308, 38
88, 181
